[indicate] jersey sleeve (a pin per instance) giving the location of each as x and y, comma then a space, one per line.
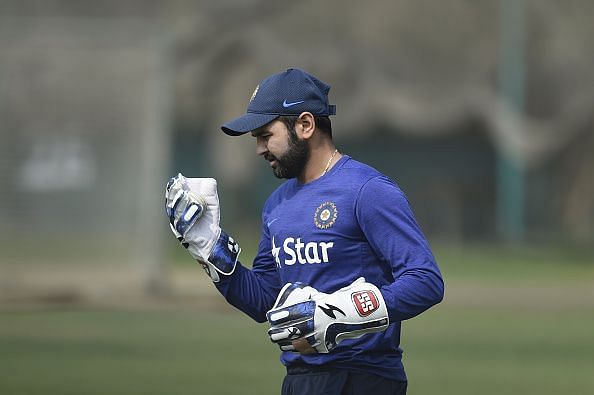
253, 291
387, 221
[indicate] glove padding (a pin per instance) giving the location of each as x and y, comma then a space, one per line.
192, 205
324, 320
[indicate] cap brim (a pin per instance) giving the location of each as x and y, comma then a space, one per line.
247, 123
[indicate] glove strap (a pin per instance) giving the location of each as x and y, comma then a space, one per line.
224, 255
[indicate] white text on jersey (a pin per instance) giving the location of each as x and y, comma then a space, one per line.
312, 252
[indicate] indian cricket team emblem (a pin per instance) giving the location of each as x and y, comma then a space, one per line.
255, 93
325, 215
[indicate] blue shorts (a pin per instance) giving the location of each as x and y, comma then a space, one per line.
318, 381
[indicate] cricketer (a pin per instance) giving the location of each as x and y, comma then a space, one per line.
341, 260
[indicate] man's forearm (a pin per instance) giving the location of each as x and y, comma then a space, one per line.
250, 292
413, 292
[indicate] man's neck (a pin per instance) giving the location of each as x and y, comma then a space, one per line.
321, 160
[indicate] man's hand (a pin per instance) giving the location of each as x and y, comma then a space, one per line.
307, 321
192, 205
182, 206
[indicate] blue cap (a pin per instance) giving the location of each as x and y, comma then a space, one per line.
288, 93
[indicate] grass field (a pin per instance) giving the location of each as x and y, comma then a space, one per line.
513, 322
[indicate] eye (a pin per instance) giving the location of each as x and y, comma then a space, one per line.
263, 138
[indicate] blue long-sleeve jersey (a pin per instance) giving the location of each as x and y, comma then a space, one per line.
352, 222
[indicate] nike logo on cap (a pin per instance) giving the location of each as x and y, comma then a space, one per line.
286, 105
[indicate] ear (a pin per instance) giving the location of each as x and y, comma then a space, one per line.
305, 125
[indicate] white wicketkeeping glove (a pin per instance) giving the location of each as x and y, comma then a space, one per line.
192, 205
325, 320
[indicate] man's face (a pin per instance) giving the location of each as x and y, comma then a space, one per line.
282, 148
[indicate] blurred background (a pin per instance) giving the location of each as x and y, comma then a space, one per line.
482, 111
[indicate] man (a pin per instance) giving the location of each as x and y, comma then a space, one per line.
341, 260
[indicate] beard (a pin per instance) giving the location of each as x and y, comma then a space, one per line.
292, 163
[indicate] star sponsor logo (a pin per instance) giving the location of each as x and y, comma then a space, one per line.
325, 215
297, 251
275, 253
